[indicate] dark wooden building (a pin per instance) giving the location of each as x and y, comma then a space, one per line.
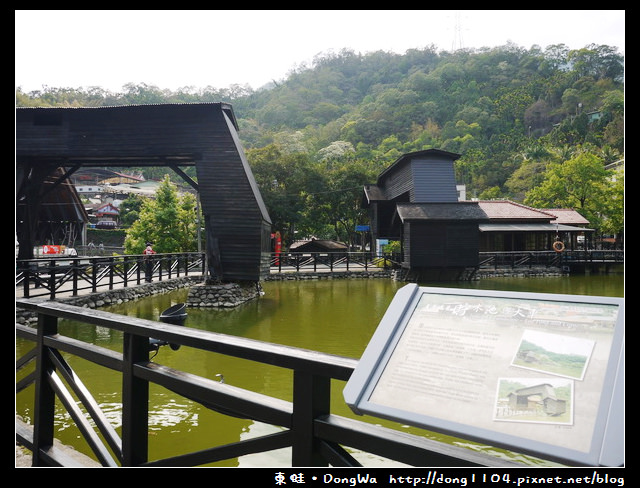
56, 142
415, 201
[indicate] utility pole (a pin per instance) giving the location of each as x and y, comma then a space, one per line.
457, 34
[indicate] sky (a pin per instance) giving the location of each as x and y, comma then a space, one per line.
173, 49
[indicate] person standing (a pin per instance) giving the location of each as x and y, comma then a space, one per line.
148, 272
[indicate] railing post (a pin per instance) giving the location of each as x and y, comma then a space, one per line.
111, 263
94, 275
76, 266
52, 279
135, 402
311, 399
125, 271
44, 401
138, 270
27, 278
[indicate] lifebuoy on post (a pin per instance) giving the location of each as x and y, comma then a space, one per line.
558, 246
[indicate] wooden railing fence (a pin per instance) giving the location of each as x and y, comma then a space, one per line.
317, 437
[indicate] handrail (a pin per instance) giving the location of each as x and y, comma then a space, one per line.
317, 437
282, 262
548, 258
71, 275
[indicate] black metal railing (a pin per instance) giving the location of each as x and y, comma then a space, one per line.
71, 275
519, 259
530, 259
315, 435
593, 256
55, 276
283, 262
366, 261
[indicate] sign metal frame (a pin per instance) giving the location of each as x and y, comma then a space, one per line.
541, 374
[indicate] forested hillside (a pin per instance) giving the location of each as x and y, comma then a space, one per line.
314, 138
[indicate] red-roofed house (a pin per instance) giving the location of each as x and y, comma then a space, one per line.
567, 216
106, 214
516, 227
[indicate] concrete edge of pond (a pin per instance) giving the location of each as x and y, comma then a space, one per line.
24, 457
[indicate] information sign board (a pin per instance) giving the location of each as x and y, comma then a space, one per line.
536, 373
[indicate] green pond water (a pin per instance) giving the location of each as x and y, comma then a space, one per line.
332, 316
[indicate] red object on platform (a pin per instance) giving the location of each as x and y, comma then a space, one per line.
278, 247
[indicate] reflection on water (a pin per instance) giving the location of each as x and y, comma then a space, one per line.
332, 316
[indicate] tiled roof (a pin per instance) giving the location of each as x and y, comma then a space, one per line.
508, 210
441, 211
567, 216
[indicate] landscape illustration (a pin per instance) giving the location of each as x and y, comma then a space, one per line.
554, 354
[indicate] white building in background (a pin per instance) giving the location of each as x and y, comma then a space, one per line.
84, 189
462, 192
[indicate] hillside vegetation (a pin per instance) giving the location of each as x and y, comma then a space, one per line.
314, 138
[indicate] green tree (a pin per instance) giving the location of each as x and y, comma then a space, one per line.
532, 161
168, 221
581, 183
489, 105
492, 193
284, 180
130, 209
599, 61
336, 207
613, 210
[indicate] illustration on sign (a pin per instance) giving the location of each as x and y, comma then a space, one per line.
554, 353
535, 400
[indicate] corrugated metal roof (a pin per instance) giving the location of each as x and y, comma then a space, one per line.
225, 107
